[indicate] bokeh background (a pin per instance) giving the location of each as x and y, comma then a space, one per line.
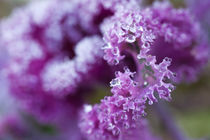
190, 105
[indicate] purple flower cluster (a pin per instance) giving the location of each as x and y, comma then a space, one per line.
200, 10
157, 28
56, 51
52, 48
113, 119
144, 34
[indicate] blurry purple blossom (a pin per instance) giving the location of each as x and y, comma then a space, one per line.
114, 119
56, 58
52, 49
201, 11
162, 41
151, 30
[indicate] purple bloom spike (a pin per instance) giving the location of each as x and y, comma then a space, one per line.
156, 38
115, 118
157, 28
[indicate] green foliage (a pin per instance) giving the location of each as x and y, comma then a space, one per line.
196, 124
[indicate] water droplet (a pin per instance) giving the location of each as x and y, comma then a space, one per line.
167, 59
137, 17
115, 82
110, 126
144, 98
139, 56
116, 73
125, 27
87, 108
126, 69
134, 83
116, 51
115, 131
116, 61
130, 38
150, 102
146, 83
106, 46
170, 88
124, 117
146, 75
144, 114
132, 29
136, 117
141, 28
126, 125
146, 45
106, 98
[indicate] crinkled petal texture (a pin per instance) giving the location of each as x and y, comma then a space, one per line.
162, 41
157, 28
181, 38
113, 119
129, 31
54, 51
116, 5
55, 58
201, 11
64, 76
121, 114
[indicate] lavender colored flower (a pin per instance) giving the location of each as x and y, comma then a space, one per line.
11, 127
188, 51
121, 114
10, 124
64, 76
143, 34
160, 27
114, 119
52, 49
128, 32
201, 11
55, 59
116, 5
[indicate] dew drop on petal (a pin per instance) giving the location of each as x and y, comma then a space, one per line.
106, 46
116, 61
167, 59
150, 102
115, 82
126, 125
116, 51
125, 27
115, 131
145, 83
141, 29
132, 29
87, 108
130, 38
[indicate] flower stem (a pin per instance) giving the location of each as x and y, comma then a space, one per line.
168, 121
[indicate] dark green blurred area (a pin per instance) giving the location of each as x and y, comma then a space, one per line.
6, 6
190, 105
